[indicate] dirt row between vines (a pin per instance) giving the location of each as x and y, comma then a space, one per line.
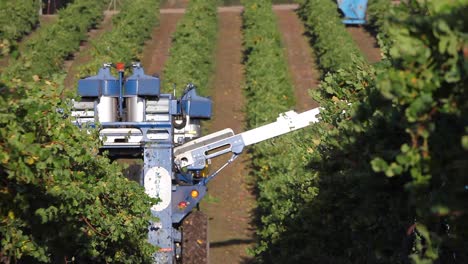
231, 203
366, 43
301, 61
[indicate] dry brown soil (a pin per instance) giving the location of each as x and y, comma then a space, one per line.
366, 42
156, 50
231, 202
301, 62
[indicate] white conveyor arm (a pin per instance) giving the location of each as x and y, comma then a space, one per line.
195, 153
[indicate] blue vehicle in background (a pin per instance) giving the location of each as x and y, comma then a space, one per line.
354, 11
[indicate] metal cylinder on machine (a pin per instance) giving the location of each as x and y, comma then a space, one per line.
135, 109
107, 109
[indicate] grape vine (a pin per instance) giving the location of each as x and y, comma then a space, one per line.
193, 44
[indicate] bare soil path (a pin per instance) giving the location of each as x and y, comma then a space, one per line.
300, 58
156, 50
366, 42
82, 56
231, 202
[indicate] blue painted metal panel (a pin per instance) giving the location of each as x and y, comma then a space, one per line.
196, 106
354, 21
182, 194
157, 181
354, 11
101, 84
140, 84
158, 171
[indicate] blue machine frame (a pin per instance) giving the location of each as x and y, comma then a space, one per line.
134, 117
155, 144
354, 11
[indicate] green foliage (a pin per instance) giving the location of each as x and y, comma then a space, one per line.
279, 164
44, 54
192, 49
124, 43
385, 181
334, 47
427, 84
377, 12
17, 18
267, 76
60, 200
358, 216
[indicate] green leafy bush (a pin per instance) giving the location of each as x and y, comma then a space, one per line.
17, 18
124, 43
388, 158
377, 12
427, 85
333, 45
279, 164
44, 54
192, 49
267, 76
60, 200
